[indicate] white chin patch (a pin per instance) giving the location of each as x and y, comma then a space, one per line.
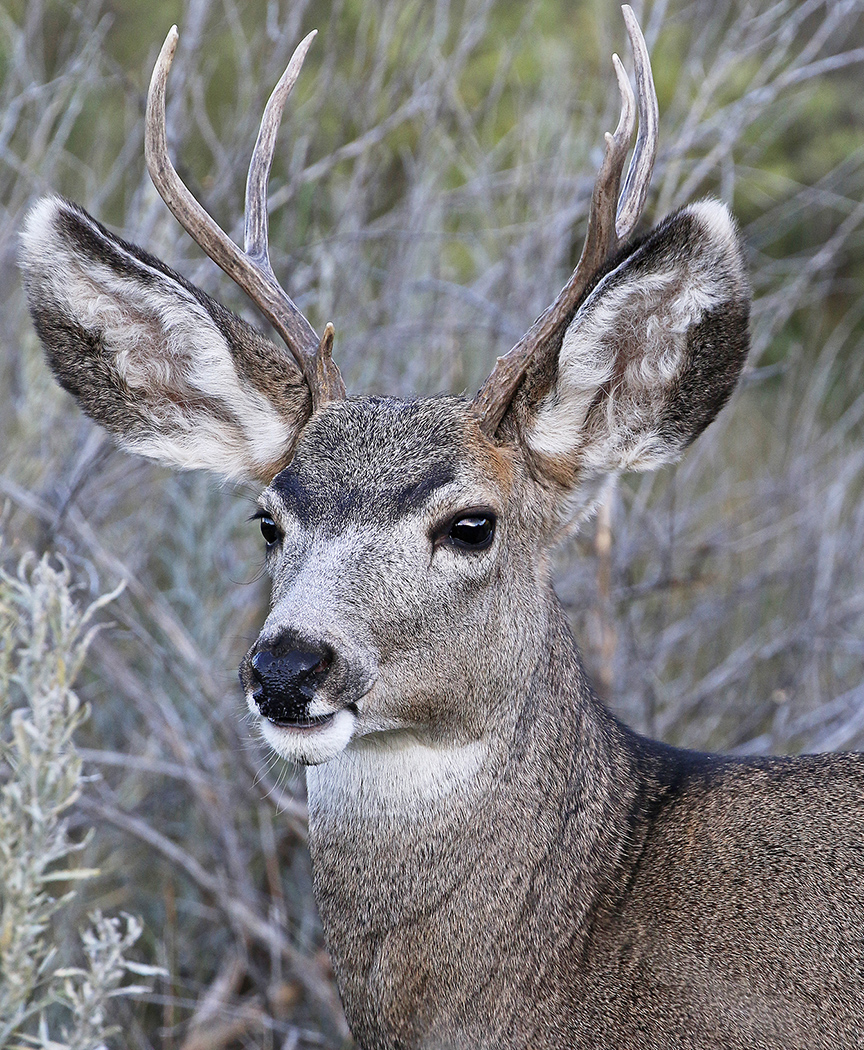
310, 746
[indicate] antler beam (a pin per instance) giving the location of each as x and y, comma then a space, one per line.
250, 269
611, 220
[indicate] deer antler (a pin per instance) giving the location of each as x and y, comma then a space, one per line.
610, 221
251, 268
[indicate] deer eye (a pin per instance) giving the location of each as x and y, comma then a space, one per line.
473, 531
269, 529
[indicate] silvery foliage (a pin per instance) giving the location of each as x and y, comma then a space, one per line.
43, 642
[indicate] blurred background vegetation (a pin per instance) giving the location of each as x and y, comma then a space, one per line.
429, 196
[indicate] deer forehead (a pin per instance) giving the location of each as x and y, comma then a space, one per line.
375, 460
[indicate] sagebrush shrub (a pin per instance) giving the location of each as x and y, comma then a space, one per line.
44, 637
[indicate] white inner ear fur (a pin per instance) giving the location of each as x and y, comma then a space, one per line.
161, 339
651, 312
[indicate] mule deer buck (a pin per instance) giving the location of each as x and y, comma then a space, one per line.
498, 862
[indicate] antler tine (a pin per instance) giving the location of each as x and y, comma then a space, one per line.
262, 157
645, 151
601, 238
609, 222
251, 270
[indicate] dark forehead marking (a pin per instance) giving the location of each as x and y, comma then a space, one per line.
334, 509
415, 494
294, 494
372, 460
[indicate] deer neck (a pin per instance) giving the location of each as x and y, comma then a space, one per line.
525, 828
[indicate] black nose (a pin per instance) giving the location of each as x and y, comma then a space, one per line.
286, 680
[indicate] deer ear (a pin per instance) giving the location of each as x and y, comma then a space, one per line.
649, 359
162, 366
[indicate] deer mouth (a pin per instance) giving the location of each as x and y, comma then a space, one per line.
304, 725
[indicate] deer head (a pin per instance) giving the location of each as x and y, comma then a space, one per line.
408, 541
